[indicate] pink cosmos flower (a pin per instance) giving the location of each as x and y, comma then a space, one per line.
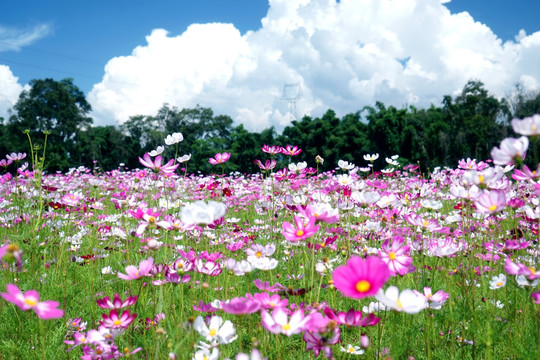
268, 164
134, 273
279, 322
491, 201
3, 250
271, 149
526, 174
30, 300
512, 268
291, 150
157, 166
268, 301
301, 231
318, 342
321, 212
351, 317
219, 158
360, 278
240, 306
510, 151
434, 301
396, 256
113, 321
116, 303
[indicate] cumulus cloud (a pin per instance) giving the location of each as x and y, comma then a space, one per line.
10, 90
344, 55
12, 39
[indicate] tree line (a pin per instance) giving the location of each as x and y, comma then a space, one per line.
466, 125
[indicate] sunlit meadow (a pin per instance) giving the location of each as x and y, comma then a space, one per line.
291, 263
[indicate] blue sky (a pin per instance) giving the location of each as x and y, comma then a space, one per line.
343, 56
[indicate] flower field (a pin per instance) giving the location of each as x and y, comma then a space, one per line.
359, 262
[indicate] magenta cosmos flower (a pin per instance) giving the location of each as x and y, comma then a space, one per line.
113, 321
30, 300
301, 231
219, 158
134, 273
116, 303
360, 278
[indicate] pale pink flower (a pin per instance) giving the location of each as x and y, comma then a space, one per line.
219, 158
510, 151
279, 322
491, 201
134, 273
529, 126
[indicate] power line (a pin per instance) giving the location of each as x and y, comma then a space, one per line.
63, 71
51, 53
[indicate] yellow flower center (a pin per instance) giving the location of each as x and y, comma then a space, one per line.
30, 301
286, 327
492, 208
117, 322
299, 233
425, 223
351, 349
533, 271
392, 256
363, 286
533, 127
480, 178
399, 304
499, 283
213, 332
258, 254
151, 219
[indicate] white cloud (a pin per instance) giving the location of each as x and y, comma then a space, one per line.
12, 39
10, 90
344, 55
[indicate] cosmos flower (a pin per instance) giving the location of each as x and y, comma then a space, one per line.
360, 278
404, 301
134, 273
217, 330
299, 231
201, 212
174, 138
219, 158
279, 322
529, 126
497, 282
113, 321
396, 256
30, 300
116, 303
510, 151
491, 201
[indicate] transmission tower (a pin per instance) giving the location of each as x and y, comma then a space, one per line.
292, 92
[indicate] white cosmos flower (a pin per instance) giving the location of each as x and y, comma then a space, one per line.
350, 349
156, 152
371, 158
406, 301
175, 138
345, 165
201, 212
184, 158
497, 282
217, 330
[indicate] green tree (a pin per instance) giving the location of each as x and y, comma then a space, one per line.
55, 106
